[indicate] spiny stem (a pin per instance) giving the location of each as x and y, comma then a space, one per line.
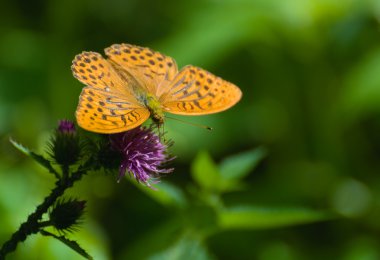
32, 224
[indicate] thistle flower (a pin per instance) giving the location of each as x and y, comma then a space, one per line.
66, 126
65, 147
143, 154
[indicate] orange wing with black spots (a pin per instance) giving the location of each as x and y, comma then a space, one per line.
195, 91
118, 89
153, 70
106, 104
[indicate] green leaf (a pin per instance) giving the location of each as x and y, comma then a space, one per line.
187, 247
249, 217
20, 147
205, 172
238, 166
165, 193
38, 158
70, 243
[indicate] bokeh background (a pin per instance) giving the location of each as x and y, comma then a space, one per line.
310, 74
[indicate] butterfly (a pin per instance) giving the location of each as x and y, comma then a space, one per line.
135, 83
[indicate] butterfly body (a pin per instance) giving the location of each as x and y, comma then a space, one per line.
154, 106
136, 83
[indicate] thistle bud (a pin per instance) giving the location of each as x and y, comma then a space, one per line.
65, 144
67, 214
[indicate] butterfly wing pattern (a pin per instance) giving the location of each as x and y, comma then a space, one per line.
106, 104
198, 92
117, 89
154, 70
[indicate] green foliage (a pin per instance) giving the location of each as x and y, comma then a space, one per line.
70, 243
234, 168
64, 214
251, 217
238, 166
185, 248
38, 158
185, 234
226, 176
165, 193
205, 172
229, 174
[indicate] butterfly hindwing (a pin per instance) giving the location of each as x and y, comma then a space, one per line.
195, 91
100, 112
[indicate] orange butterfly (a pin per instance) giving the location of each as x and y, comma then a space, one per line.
136, 83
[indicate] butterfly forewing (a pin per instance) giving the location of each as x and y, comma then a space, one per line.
195, 91
107, 104
93, 70
152, 69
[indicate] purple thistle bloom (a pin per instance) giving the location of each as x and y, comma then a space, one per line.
66, 126
143, 154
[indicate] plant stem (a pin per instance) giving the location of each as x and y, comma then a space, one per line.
32, 225
43, 224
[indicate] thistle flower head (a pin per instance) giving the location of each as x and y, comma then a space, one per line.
143, 154
66, 127
65, 146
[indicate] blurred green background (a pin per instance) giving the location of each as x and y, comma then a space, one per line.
310, 76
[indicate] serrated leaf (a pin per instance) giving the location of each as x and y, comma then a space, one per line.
240, 165
20, 147
38, 158
249, 217
70, 243
205, 172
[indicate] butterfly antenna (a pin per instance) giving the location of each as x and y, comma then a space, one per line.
190, 123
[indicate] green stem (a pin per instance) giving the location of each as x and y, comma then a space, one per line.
32, 224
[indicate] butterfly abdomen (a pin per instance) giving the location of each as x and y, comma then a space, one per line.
155, 108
